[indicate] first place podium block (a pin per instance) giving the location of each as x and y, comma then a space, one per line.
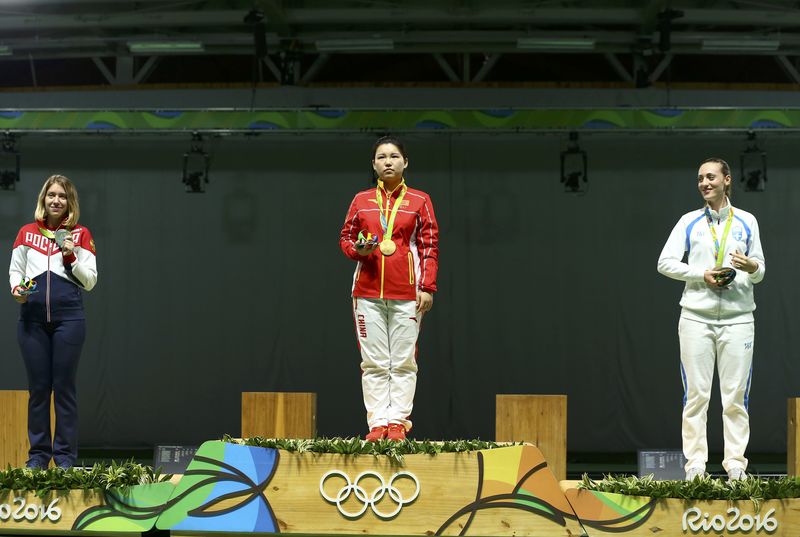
538, 419
279, 414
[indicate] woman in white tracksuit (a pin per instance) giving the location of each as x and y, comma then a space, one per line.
716, 323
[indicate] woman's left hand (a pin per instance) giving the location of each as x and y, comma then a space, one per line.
742, 262
424, 301
68, 246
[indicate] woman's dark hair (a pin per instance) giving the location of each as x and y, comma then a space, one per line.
726, 170
388, 139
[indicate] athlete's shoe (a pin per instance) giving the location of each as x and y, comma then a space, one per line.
736, 474
376, 433
694, 473
397, 432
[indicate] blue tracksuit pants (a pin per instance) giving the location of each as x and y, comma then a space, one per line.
51, 352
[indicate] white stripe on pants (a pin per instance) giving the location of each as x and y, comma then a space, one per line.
387, 335
730, 347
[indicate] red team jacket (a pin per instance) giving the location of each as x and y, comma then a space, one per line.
59, 279
415, 262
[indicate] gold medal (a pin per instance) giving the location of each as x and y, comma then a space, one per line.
388, 247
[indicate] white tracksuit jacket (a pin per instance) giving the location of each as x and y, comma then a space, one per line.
691, 235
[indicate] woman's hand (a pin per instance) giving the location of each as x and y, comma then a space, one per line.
742, 262
68, 246
366, 248
20, 298
424, 301
710, 277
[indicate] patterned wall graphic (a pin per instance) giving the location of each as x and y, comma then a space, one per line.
399, 120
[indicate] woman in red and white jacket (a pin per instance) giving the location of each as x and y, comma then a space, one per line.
391, 231
57, 254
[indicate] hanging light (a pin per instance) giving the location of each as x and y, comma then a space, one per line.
9, 162
574, 166
753, 161
195, 166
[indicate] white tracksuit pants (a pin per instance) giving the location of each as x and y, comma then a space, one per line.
387, 336
730, 347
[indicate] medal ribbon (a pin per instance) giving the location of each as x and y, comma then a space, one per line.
719, 247
47, 233
388, 227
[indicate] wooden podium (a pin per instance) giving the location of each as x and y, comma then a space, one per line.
792, 430
14, 427
538, 419
279, 414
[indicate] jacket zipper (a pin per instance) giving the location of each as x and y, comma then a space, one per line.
47, 296
383, 270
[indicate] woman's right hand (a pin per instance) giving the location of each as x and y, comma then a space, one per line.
20, 298
710, 277
366, 249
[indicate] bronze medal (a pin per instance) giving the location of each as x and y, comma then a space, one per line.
388, 247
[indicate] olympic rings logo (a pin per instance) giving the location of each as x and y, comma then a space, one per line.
369, 500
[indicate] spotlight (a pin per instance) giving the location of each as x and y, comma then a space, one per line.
195, 166
753, 163
574, 166
9, 162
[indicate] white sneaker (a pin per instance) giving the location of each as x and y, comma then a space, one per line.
736, 474
694, 473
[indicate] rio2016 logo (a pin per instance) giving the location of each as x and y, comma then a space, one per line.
695, 520
29, 511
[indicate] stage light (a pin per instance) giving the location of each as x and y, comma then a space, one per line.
9, 162
753, 162
574, 166
195, 166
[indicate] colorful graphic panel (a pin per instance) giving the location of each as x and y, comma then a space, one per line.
223, 490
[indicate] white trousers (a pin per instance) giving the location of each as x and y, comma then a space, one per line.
387, 336
730, 347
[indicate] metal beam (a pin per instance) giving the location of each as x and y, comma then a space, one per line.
146, 69
124, 70
451, 75
152, 18
618, 67
312, 71
788, 68
659, 70
100, 64
488, 65
33, 70
276, 72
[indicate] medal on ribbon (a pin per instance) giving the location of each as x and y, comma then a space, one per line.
58, 236
387, 245
726, 274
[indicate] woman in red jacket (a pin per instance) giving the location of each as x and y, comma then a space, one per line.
391, 231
